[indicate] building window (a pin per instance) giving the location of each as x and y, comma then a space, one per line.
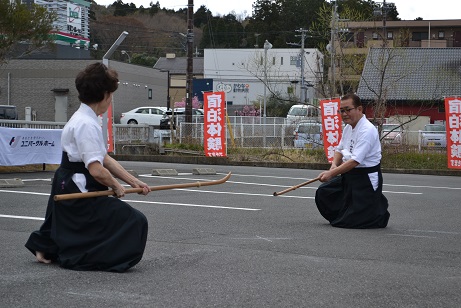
360, 39
347, 36
375, 35
419, 36
390, 35
441, 35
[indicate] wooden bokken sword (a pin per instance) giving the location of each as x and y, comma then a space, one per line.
295, 187
138, 190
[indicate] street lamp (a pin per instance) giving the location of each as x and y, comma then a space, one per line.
267, 46
124, 52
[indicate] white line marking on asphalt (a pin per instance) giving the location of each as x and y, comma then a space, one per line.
22, 217
305, 179
236, 193
433, 231
151, 202
271, 176
32, 180
195, 205
410, 235
267, 176
268, 239
401, 192
233, 182
414, 186
273, 185
24, 192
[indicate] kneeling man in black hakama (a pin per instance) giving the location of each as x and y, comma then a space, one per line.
351, 194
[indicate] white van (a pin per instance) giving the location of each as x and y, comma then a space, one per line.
299, 113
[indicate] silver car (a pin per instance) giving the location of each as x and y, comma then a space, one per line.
392, 134
434, 136
308, 135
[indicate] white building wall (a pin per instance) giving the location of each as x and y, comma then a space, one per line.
240, 72
80, 32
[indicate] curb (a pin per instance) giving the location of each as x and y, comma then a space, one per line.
202, 160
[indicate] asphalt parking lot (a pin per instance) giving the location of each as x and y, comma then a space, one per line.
236, 245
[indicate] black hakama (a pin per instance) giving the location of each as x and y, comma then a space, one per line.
102, 233
349, 200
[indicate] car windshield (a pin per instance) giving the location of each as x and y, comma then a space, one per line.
298, 112
434, 128
390, 127
309, 129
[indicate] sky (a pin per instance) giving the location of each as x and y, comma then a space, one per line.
408, 9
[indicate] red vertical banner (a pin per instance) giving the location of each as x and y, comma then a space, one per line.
214, 124
110, 132
453, 128
331, 126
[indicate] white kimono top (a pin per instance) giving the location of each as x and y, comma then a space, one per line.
362, 145
83, 141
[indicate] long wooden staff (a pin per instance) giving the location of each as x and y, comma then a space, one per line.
138, 190
295, 187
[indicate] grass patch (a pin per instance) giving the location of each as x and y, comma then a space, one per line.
437, 161
392, 158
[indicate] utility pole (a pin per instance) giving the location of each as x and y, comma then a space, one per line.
334, 15
384, 23
190, 60
303, 88
302, 95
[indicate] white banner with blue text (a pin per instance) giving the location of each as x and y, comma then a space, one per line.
24, 146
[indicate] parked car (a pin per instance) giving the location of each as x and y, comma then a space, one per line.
434, 136
298, 113
8, 112
180, 116
308, 135
143, 115
392, 134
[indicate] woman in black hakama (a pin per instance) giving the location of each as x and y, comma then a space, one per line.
101, 233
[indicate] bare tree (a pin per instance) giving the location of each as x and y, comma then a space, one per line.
255, 65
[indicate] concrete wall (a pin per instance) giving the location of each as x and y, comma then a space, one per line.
30, 83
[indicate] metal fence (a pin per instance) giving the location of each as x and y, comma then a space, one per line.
243, 132
243, 135
127, 133
31, 124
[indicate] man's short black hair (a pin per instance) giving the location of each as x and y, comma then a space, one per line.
356, 101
